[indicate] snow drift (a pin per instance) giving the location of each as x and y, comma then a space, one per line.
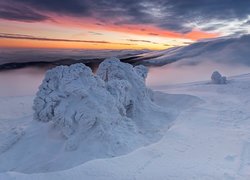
109, 105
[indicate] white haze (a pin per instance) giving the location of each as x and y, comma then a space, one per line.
20, 82
27, 80
176, 73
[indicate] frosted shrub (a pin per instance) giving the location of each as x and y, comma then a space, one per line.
77, 102
127, 84
217, 78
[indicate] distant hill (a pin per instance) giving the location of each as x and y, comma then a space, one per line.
228, 50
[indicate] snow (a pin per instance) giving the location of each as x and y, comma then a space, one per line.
108, 106
208, 137
217, 78
196, 62
79, 116
232, 51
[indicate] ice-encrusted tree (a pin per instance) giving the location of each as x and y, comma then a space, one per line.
79, 103
127, 84
217, 78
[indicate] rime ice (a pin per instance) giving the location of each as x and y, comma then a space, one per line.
78, 102
217, 78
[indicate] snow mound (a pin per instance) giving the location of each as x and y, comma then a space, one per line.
108, 106
217, 78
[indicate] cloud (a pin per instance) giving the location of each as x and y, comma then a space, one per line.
143, 41
176, 15
167, 45
95, 33
21, 13
28, 37
153, 34
247, 23
150, 42
66, 7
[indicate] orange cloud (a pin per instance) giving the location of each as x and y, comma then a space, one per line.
64, 26
23, 43
138, 29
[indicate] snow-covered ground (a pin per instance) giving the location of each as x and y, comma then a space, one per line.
228, 50
196, 62
208, 139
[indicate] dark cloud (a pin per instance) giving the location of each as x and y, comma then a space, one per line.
204, 11
211, 9
175, 15
66, 7
20, 13
28, 37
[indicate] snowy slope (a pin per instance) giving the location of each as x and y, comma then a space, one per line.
41, 150
208, 141
233, 51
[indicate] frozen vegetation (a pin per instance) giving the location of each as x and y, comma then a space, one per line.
217, 78
109, 105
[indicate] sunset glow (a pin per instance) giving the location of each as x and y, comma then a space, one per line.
68, 32
116, 24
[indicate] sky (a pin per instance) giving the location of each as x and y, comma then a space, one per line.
119, 24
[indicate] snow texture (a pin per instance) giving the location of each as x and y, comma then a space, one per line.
9, 139
208, 141
217, 78
78, 102
228, 51
81, 117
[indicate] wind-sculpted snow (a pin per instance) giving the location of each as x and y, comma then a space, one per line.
7, 140
217, 78
107, 105
210, 140
80, 116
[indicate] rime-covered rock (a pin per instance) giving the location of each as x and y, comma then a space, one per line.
110, 105
217, 78
127, 84
72, 98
